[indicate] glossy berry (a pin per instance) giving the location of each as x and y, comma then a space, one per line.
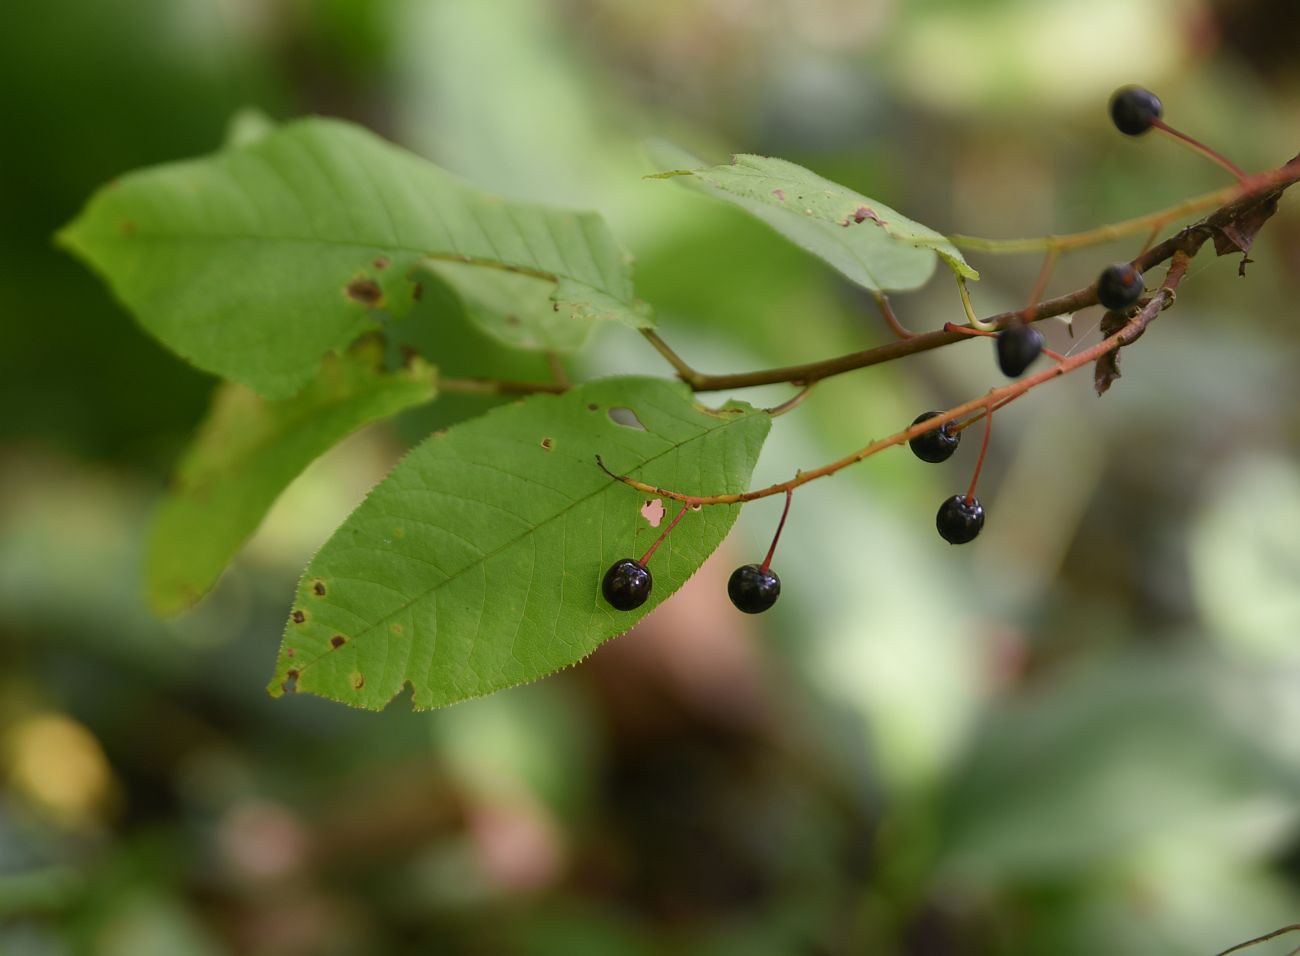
1119, 286
960, 519
1133, 110
752, 589
627, 584
1018, 346
935, 446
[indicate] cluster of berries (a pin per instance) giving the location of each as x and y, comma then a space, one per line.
753, 588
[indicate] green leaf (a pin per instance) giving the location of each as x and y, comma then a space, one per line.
876, 246
260, 259
247, 452
477, 564
514, 309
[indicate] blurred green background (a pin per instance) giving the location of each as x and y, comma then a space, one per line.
1077, 735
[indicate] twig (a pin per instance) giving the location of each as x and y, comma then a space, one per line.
1261, 939
995, 397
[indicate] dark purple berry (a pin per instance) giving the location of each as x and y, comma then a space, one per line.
1018, 346
627, 584
1133, 110
752, 589
935, 446
960, 519
1119, 286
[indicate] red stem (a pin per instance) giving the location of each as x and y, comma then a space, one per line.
984, 447
672, 524
1210, 154
767, 562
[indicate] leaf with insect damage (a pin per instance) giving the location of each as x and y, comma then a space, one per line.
258, 260
876, 246
476, 565
248, 450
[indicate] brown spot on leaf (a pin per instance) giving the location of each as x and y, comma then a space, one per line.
399, 532
290, 684
512, 320
365, 290
127, 228
862, 214
358, 680
338, 640
299, 617
289, 652
593, 407
396, 629
779, 194
318, 588
381, 262
417, 292
548, 443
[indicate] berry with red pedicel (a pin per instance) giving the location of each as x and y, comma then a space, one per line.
1119, 286
1134, 110
960, 519
935, 446
753, 589
1017, 346
627, 584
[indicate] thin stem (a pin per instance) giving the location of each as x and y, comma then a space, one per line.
791, 403
1107, 233
684, 371
891, 319
1213, 155
645, 558
556, 366
1261, 939
767, 561
971, 317
984, 450
492, 386
1044, 274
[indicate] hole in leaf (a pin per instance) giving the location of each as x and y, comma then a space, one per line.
622, 415
653, 512
290, 684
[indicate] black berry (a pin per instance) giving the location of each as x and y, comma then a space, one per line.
1133, 110
1018, 346
1119, 286
627, 584
935, 446
752, 589
960, 519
